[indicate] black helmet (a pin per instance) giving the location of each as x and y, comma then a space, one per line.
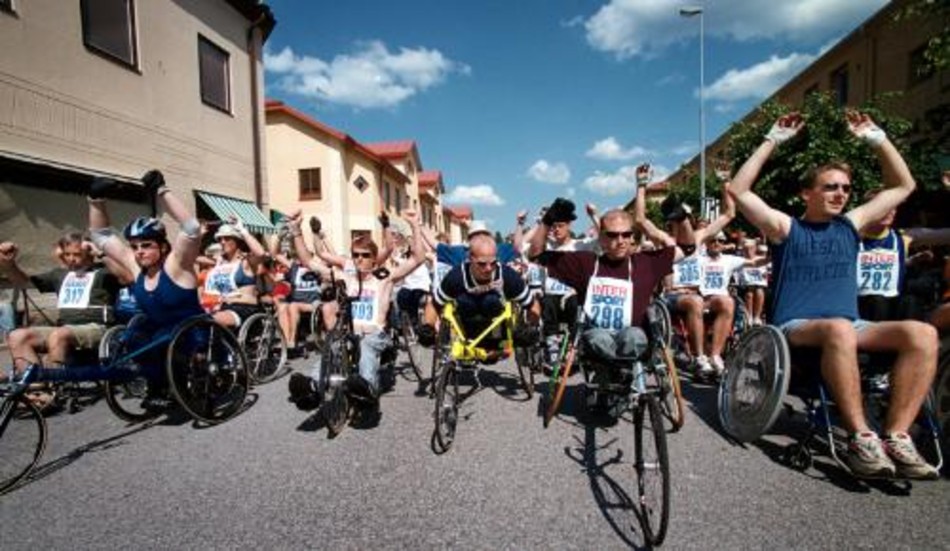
145, 227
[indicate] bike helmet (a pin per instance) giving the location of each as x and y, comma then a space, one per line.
145, 227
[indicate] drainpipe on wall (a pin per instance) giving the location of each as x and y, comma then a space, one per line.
254, 39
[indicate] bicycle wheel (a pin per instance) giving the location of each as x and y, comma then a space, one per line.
446, 406
524, 359
415, 352
651, 470
560, 377
264, 344
207, 371
124, 397
22, 440
668, 387
334, 370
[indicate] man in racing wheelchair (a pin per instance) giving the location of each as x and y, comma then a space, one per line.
815, 294
614, 287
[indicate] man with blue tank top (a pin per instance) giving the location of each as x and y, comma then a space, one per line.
815, 294
165, 287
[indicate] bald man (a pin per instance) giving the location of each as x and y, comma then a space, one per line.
480, 286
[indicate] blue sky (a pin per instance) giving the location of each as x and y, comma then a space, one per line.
520, 101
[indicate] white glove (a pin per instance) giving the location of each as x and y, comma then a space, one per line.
864, 128
644, 174
784, 129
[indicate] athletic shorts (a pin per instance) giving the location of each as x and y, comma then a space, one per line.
87, 335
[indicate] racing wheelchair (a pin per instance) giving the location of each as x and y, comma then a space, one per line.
455, 352
763, 371
202, 365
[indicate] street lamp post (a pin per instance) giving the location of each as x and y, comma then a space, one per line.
690, 11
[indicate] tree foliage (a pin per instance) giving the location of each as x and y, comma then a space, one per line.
937, 54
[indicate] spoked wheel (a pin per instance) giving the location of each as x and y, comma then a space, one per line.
317, 332
124, 397
442, 344
207, 371
446, 406
264, 344
557, 385
524, 359
409, 343
652, 470
668, 383
22, 440
334, 370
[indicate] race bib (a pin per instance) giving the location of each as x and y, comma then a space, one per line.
364, 308
535, 275
609, 303
686, 272
714, 278
878, 273
220, 281
75, 290
554, 287
306, 281
754, 277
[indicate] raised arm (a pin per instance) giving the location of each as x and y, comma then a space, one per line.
640, 220
517, 236
774, 223
898, 181
418, 250
9, 267
103, 236
725, 217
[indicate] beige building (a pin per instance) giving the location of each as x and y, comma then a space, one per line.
117, 88
324, 172
456, 220
882, 55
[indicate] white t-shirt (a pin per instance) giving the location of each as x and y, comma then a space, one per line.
717, 273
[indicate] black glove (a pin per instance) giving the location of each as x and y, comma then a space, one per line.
315, 224
673, 210
381, 273
561, 210
384, 220
99, 187
154, 181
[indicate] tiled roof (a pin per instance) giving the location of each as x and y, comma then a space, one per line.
274, 106
459, 212
393, 149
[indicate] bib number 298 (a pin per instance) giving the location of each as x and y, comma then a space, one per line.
607, 317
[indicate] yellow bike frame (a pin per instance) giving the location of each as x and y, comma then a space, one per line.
467, 350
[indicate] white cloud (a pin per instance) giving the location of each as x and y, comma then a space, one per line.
685, 148
758, 81
609, 149
621, 182
369, 77
550, 173
628, 28
482, 194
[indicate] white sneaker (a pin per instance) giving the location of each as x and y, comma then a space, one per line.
705, 369
718, 364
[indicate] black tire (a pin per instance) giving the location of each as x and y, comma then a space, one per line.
22, 440
334, 371
652, 470
669, 393
446, 405
317, 332
409, 343
524, 359
265, 347
206, 370
125, 397
659, 313
443, 342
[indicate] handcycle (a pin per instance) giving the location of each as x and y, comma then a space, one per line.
456, 352
263, 340
763, 372
664, 371
631, 388
403, 333
205, 370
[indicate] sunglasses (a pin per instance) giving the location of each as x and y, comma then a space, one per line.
616, 234
832, 187
142, 246
484, 263
362, 254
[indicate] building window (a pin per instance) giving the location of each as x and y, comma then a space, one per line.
918, 69
361, 183
386, 194
108, 28
839, 85
310, 184
7, 6
398, 193
215, 74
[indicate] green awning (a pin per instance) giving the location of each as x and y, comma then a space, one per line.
245, 211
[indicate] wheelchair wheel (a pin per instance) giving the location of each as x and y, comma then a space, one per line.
668, 384
207, 371
446, 406
652, 470
524, 359
265, 346
755, 383
124, 397
557, 385
334, 370
317, 332
408, 342
659, 314
22, 440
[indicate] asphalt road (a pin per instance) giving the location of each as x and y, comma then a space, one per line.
270, 478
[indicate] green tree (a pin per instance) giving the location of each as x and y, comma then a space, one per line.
937, 54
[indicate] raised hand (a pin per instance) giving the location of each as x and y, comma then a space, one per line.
315, 224
644, 174
237, 223
99, 187
154, 181
8, 252
591, 209
521, 217
722, 169
410, 216
785, 128
861, 125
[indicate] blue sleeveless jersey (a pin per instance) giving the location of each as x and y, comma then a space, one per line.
168, 304
815, 272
